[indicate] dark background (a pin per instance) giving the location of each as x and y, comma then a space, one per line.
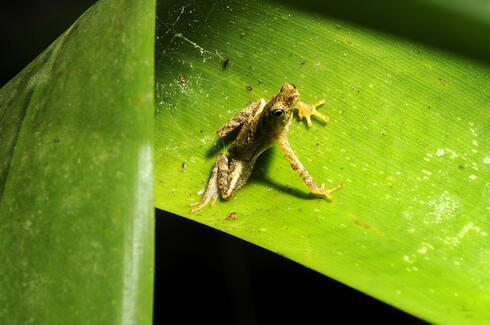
203, 275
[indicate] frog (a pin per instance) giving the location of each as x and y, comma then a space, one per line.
263, 125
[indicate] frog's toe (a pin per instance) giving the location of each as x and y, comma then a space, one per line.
308, 121
197, 209
327, 196
331, 190
327, 193
208, 198
200, 205
213, 200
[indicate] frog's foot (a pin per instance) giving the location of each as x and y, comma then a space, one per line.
205, 200
326, 193
210, 194
306, 110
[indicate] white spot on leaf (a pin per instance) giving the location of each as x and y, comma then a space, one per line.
443, 208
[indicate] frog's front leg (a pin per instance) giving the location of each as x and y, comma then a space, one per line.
241, 117
303, 173
306, 110
226, 178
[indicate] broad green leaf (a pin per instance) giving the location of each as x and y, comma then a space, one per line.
408, 135
76, 206
456, 25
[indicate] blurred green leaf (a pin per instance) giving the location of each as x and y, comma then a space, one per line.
76, 206
408, 134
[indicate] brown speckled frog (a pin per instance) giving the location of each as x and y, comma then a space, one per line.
263, 125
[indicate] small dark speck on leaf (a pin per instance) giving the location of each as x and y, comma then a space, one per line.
183, 81
56, 140
428, 107
260, 81
225, 63
303, 62
249, 88
461, 167
232, 216
442, 81
184, 165
201, 131
362, 224
317, 144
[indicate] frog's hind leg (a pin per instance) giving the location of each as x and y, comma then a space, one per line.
217, 184
223, 175
211, 192
232, 175
226, 178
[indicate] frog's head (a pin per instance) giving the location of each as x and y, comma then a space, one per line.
288, 95
282, 105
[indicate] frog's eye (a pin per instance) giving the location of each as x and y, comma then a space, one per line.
293, 86
278, 112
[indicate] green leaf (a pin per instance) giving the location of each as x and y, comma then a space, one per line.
408, 134
76, 206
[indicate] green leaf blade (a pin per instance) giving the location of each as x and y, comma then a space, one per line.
408, 134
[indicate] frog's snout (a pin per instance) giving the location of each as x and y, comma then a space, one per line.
287, 86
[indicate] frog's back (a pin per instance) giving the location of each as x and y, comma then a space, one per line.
253, 138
